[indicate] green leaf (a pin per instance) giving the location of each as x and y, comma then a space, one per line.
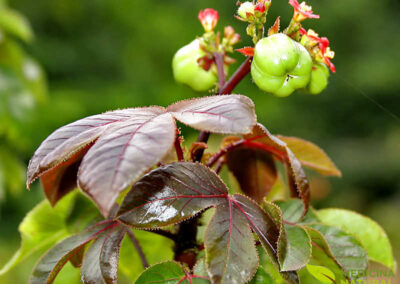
41, 228
294, 248
13, 172
255, 171
168, 273
15, 24
52, 262
292, 211
372, 237
310, 155
342, 247
321, 273
262, 277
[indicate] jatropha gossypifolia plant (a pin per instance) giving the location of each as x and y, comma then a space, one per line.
132, 164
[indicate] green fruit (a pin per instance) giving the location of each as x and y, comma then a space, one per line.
319, 79
187, 70
281, 65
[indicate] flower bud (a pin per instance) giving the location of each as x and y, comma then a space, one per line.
187, 69
246, 10
209, 19
280, 65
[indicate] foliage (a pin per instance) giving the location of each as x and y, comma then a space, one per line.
136, 155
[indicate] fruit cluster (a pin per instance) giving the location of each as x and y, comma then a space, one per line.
282, 62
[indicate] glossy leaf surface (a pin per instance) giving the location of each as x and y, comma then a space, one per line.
254, 169
312, 156
372, 237
228, 114
171, 194
124, 152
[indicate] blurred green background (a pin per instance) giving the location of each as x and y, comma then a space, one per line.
102, 54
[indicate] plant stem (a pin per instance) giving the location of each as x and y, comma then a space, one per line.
178, 148
227, 88
136, 243
187, 232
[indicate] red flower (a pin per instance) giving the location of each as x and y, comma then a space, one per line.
302, 11
260, 7
323, 43
209, 19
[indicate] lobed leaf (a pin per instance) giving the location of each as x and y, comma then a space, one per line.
123, 153
310, 155
255, 171
371, 236
53, 261
298, 183
171, 194
231, 256
228, 114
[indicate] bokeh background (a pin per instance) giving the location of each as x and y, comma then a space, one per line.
101, 55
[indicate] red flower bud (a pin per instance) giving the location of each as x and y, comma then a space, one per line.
209, 19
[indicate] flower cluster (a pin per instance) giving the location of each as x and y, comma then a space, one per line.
302, 11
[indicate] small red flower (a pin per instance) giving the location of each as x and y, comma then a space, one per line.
323, 43
260, 7
209, 19
302, 11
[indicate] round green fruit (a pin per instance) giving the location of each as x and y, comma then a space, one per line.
187, 70
280, 65
319, 79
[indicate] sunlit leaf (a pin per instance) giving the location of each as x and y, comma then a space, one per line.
169, 273
53, 261
171, 194
124, 152
254, 169
228, 114
372, 237
42, 227
322, 274
298, 183
310, 155
231, 256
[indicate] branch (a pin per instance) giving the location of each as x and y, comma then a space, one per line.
227, 88
136, 243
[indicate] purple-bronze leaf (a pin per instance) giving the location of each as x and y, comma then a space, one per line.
100, 264
254, 170
109, 257
297, 179
171, 194
228, 114
231, 256
53, 261
123, 153
64, 149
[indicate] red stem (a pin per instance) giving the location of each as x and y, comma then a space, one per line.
178, 147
